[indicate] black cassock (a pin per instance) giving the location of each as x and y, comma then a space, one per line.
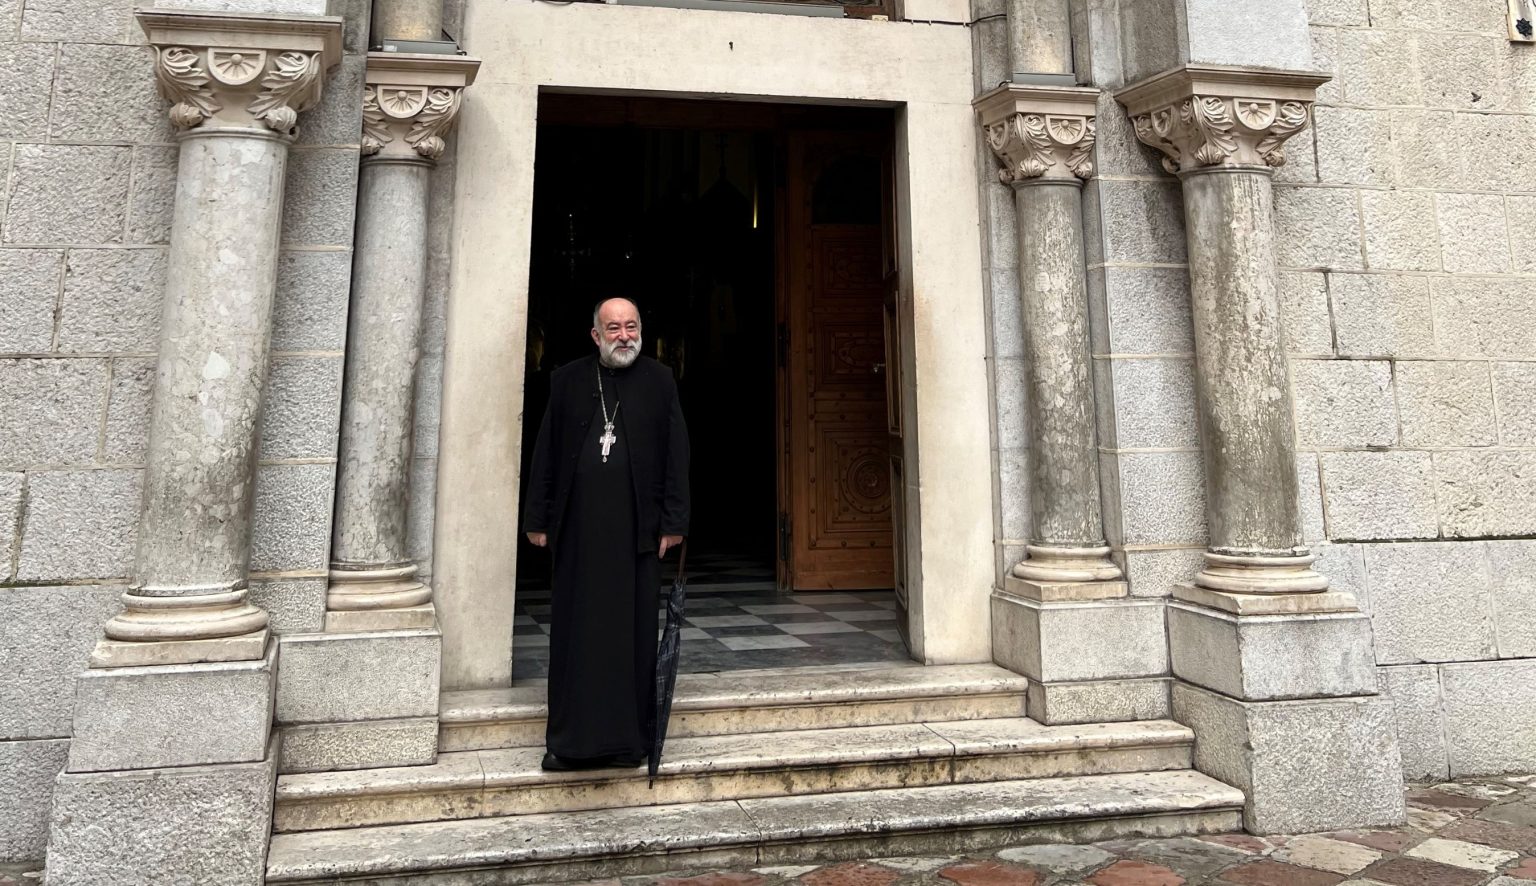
605, 522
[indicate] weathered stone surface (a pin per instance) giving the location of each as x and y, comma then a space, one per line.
331, 747
1096, 640
1423, 153
52, 411
337, 678
1309, 498
292, 528
1490, 136
1445, 403
1354, 146
1484, 317
95, 21
1514, 390
1382, 315
79, 524
1269, 658
421, 512
67, 194
1344, 564
1512, 583
1486, 493
1316, 228
1306, 326
319, 197
1374, 70
309, 312
1012, 419
1162, 496
131, 396
1154, 403
1415, 694
294, 605
303, 406
338, 119
112, 300
180, 826
1154, 573
173, 715
52, 630
1290, 757
1490, 716
27, 771
1137, 221
151, 201
1396, 237
1100, 701
1321, 853
1521, 216
29, 293
107, 93
1473, 235
1461, 71
1146, 309
28, 72
1379, 495
429, 406
1344, 403
1429, 602
11, 484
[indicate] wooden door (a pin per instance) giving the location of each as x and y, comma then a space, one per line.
837, 526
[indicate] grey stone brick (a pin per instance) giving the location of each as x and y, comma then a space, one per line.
1337, 12
10, 523
1415, 694
1461, 71
128, 410
67, 194
1490, 716
27, 771
1306, 326
1345, 567
1485, 316
1012, 499
1154, 403
1300, 154
27, 69
1009, 400
152, 200
1222, 33
1514, 390
1162, 497
1316, 228
320, 196
1437, 15
1119, 152
302, 409
1344, 403
50, 635
79, 524
1148, 311
1521, 215
1325, 55
1378, 68
220, 817
428, 406
1069, 642
1445, 403
1272, 658
310, 309
1473, 235
1140, 221
422, 511
1309, 494
1379, 495
112, 300
1397, 234
1006, 328
86, 21
338, 119
1486, 493
1354, 146
293, 605
331, 678
1422, 152
332, 747
1489, 138
292, 522
107, 93
29, 296
1429, 602
1382, 315
52, 411
1153, 573
1512, 578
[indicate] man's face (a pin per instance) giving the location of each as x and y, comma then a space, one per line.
618, 333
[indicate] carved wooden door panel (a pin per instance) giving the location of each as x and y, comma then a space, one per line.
840, 518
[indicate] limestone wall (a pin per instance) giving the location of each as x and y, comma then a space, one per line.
1405, 226
90, 170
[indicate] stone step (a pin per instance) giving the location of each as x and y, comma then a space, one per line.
943, 819
508, 781
782, 700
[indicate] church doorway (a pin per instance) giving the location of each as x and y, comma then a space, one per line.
757, 241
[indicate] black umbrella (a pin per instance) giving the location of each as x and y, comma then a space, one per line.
666, 661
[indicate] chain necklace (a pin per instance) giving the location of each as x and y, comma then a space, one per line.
607, 439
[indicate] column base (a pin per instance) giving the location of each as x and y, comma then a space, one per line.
1056, 565
1099, 701
390, 587
1267, 604
1261, 573
111, 653
1056, 642
1303, 766
183, 824
1065, 591
411, 618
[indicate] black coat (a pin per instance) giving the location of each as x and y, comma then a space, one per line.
651, 421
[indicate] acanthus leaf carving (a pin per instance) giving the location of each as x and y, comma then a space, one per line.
1032, 146
1204, 131
433, 122
376, 132
1290, 119
287, 89
181, 79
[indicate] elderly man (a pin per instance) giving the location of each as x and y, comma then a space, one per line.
608, 494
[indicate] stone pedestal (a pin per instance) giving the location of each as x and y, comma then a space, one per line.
1262, 651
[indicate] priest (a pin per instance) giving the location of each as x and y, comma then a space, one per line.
608, 496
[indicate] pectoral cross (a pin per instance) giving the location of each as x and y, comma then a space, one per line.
607, 439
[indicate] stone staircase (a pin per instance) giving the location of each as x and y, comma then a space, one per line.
760, 768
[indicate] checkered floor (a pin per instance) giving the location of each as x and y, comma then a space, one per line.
737, 621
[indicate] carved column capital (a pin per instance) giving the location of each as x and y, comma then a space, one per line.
1202, 116
410, 102
236, 71
1039, 132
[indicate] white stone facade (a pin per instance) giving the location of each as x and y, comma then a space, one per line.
1401, 229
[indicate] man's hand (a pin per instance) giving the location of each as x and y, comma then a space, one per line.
667, 542
539, 539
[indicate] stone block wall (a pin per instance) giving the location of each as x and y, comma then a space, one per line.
85, 217
1404, 223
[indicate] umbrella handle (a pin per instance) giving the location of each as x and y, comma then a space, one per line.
682, 558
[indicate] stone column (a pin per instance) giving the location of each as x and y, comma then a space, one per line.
1275, 673
1064, 618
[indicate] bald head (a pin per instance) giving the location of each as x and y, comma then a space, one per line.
616, 332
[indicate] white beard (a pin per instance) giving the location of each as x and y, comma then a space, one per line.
615, 357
